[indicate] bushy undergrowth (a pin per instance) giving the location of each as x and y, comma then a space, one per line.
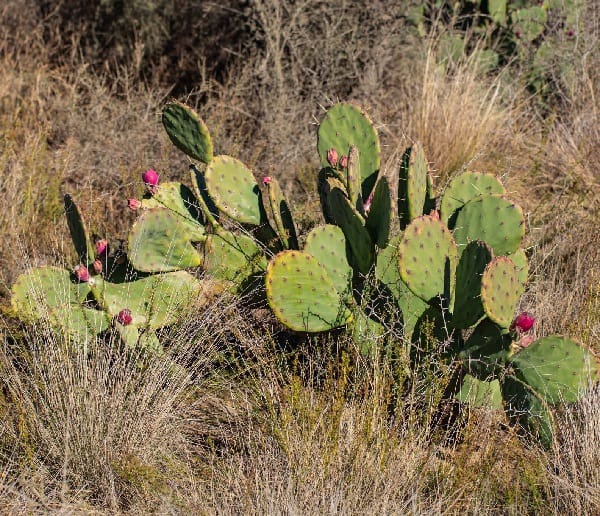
243, 417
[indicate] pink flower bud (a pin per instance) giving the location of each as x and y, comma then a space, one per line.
101, 248
150, 177
332, 157
134, 204
518, 34
82, 273
523, 322
267, 180
570, 33
344, 161
97, 265
434, 214
125, 317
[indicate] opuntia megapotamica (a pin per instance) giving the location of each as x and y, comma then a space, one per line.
523, 322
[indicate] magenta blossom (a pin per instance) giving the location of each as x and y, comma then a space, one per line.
134, 204
125, 317
82, 273
523, 322
101, 248
332, 157
267, 180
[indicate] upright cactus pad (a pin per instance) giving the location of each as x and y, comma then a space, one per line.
427, 258
500, 290
159, 242
233, 188
154, 301
412, 184
379, 221
468, 308
302, 295
345, 125
279, 214
232, 257
519, 258
39, 291
479, 393
328, 245
180, 200
352, 224
492, 219
187, 131
79, 234
556, 368
464, 188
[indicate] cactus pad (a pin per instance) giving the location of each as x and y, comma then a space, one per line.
478, 393
556, 368
233, 188
155, 301
485, 353
302, 295
462, 189
378, 221
39, 291
232, 257
351, 222
187, 131
412, 184
427, 258
468, 308
500, 290
179, 199
279, 214
328, 245
492, 219
158, 242
79, 234
519, 258
345, 125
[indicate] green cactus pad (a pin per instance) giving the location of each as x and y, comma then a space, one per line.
302, 295
39, 291
519, 258
412, 184
79, 234
411, 306
279, 214
492, 219
159, 242
528, 22
485, 352
479, 393
378, 221
345, 125
179, 199
556, 368
233, 257
468, 308
233, 188
155, 301
528, 410
367, 333
207, 205
464, 188
500, 290
136, 338
427, 258
351, 222
81, 325
187, 131
328, 245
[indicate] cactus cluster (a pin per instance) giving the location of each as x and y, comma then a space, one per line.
449, 266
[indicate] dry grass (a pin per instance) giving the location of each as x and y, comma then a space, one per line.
244, 427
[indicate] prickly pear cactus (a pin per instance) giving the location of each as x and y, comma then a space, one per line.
187, 131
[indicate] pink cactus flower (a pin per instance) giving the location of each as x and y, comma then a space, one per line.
97, 266
125, 317
267, 180
525, 341
344, 162
434, 214
523, 322
150, 177
332, 157
134, 204
101, 248
82, 273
